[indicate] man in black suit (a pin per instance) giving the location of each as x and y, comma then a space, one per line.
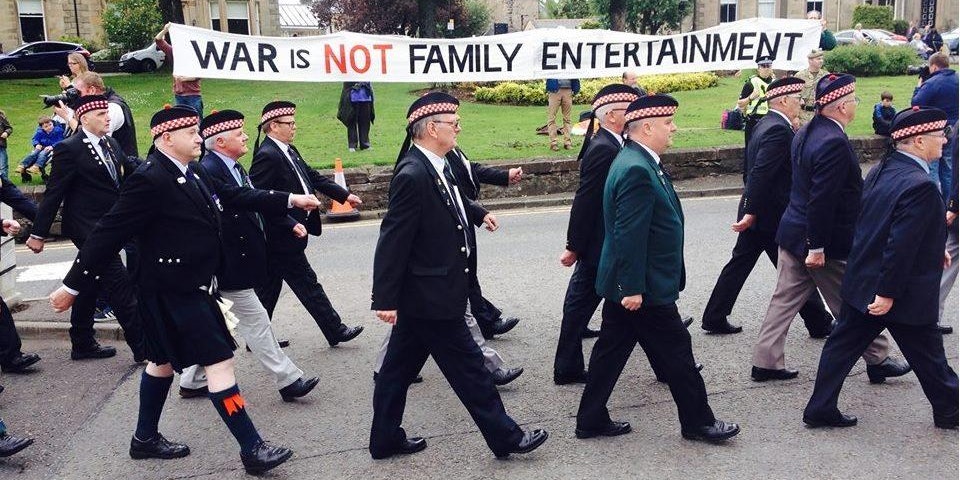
88, 170
12, 360
766, 179
245, 255
277, 165
421, 281
470, 175
893, 274
177, 221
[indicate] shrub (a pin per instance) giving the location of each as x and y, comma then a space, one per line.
870, 60
109, 54
900, 26
90, 45
535, 93
873, 16
131, 23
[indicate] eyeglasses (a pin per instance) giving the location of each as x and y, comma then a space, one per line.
455, 124
856, 100
291, 123
618, 110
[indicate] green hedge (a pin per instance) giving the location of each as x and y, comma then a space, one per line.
535, 93
871, 60
873, 16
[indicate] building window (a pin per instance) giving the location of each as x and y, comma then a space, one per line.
31, 20
728, 11
818, 6
238, 20
766, 8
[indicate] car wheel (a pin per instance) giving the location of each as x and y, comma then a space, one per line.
8, 68
147, 65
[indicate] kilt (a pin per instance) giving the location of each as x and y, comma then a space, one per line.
184, 329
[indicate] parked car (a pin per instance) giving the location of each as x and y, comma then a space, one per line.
893, 35
39, 56
147, 59
950, 40
875, 37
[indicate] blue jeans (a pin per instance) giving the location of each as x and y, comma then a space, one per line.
193, 101
3, 163
38, 157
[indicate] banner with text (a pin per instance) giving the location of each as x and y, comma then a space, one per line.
528, 55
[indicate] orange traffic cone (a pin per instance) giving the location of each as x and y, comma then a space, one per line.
341, 212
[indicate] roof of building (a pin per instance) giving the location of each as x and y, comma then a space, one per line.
297, 16
555, 23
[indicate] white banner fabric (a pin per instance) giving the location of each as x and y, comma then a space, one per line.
528, 55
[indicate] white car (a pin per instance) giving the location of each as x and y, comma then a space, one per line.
146, 59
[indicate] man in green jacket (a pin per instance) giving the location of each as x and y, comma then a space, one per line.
640, 275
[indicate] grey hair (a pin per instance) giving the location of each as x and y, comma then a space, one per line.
210, 142
419, 128
603, 110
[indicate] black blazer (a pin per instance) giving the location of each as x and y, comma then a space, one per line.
81, 182
271, 170
824, 193
11, 195
767, 174
470, 181
585, 229
176, 221
898, 245
421, 267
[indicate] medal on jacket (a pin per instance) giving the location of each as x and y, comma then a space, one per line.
181, 180
216, 200
660, 176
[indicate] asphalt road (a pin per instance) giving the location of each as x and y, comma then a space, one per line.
83, 413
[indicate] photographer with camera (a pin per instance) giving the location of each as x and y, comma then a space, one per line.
121, 126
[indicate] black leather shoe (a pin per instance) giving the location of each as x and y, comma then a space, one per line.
948, 422
824, 333
841, 420
568, 379
945, 329
298, 389
93, 351
10, 445
612, 429
588, 333
722, 328
699, 367
20, 363
157, 447
763, 374
529, 442
264, 457
888, 368
417, 379
503, 377
406, 447
346, 334
194, 392
499, 327
687, 321
283, 343
716, 432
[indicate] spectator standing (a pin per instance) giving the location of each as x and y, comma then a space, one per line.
77, 64
630, 80
913, 30
356, 113
858, 36
560, 94
939, 90
883, 114
753, 101
810, 76
933, 39
827, 40
47, 135
121, 125
5, 130
186, 90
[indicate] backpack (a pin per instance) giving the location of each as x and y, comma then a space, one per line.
731, 119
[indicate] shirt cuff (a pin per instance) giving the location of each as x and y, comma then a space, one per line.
290, 200
71, 291
36, 236
815, 250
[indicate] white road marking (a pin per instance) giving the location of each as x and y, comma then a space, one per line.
43, 272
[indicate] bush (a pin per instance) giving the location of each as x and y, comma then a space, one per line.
900, 26
131, 23
535, 93
90, 45
591, 25
871, 16
870, 60
106, 55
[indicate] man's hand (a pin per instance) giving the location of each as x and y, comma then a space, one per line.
491, 223
38, 147
4, 135
815, 260
304, 202
299, 230
387, 316
951, 217
354, 201
632, 302
61, 300
48, 148
947, 260
35, 244
568, 258
11, 227
515, 175
163, 32
744, 223
880, 305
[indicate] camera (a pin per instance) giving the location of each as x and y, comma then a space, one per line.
68, 97
923, 71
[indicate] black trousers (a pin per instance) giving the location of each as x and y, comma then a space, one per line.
483, 310
295, 269
750, 245
9, 339
412, 340
660, 332
922, 345
116, 287
358, 131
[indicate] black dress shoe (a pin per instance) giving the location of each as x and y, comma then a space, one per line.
504, 325
716, 432
698, 366
580, 377
722, 328
763, 374
157, 447
417, 379
298, 389
10, 445
841, 420
93, 351
503, 377
529, 443
264, 457
824, 333
944, 329
194, 392
612, 429
20, 363
888, 368
687, 321
283, 343
346, 334
948, 422
588, 333
406, 447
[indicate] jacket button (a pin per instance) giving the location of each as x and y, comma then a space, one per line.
466, 270
236, 216
459, 227
463, 249
85, 272
243, 254
178, 260
241, 237
161, 260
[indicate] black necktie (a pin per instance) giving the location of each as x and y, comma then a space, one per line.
109, 161
296, 168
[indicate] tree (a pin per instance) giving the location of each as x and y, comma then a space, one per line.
171, 10
422, 18
642, 16
131, 23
